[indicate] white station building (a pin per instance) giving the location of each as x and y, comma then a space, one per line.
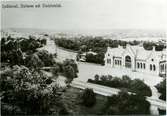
136, 58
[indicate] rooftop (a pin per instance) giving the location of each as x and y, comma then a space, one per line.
138, 51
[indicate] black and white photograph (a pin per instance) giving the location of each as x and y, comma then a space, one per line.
83, 57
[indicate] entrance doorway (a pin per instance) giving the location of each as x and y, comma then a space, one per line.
128, 62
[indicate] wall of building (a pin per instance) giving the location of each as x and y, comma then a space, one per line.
150, 66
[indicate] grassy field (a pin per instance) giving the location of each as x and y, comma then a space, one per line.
73, 103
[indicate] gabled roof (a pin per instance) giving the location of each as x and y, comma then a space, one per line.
116, 51
137, 51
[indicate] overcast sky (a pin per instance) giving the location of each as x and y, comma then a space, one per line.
90, 15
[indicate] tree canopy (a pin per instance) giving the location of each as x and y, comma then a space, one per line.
126, 104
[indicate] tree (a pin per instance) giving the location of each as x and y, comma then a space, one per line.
72, 63
70, 70
103, 78
96, 77
134, 86
138, 86
162, 89
88, 97
29, 91
126, 104
69, 73
46, 58
33, 61
55, 70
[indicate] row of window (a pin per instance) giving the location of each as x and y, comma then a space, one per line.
141, 65
152, 67
118, 62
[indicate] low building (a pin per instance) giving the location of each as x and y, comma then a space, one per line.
136, 58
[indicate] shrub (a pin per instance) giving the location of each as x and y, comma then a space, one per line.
134, 86
162, 89
138, 86
69, 69
27, 89
125, 104
96, 77
88, 97
103, 78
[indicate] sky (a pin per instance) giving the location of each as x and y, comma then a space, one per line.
88, 15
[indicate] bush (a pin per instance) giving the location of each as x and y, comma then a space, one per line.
96, 77
27, 90
46, 57
140, 87
134, 86
99, 58
69, 69
88, 97
14, 50
125, 104
162, 89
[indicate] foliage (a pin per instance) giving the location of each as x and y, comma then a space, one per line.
46, 57
33, 61
13, 57
99, 58
70, 70
135, 86
28, 91
39, 59
55, 70
88, 97
14, 50
149, 46
99, 45
96, 77
162, 112
162, 89
125, 104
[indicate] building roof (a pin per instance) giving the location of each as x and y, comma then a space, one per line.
139, 52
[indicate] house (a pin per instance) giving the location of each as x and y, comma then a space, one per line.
136, 58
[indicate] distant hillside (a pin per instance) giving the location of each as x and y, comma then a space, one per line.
112, 33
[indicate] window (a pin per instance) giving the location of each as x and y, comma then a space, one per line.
154, 68
150, 66
152, 59
128, 62
127, 59
108, 61
141, 65
144, 65
120, 62
162, 67
138, 65
108, 54
115, 62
